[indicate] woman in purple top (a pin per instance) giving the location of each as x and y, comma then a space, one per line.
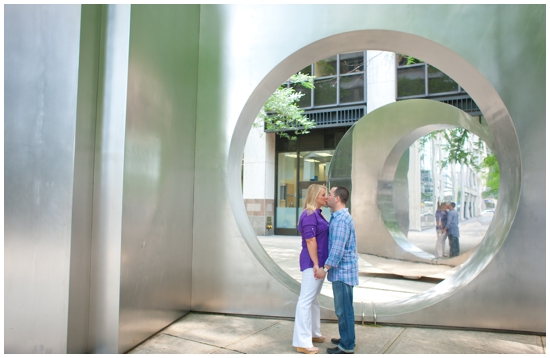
314, 230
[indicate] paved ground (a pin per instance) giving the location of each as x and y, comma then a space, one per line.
375, 284
203, 333
200, 333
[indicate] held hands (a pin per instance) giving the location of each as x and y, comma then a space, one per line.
318, 272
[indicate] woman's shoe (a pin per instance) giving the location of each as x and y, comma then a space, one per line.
319, 339
308, 350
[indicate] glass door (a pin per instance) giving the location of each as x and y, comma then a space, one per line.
285, 216
295, 173
314, 168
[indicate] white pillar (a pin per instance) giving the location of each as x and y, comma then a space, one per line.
381, 79
259, 179
414, 188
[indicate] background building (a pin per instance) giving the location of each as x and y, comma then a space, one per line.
347, 87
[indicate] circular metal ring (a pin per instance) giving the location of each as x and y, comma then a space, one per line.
506, 146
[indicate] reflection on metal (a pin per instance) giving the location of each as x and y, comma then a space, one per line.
378, 142
214, 96
431, 306
41, 45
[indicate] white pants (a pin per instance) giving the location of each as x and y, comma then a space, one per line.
307, 323
440, 245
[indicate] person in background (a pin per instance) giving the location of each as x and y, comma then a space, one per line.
314, 230
451, 228
343, 269
440, 222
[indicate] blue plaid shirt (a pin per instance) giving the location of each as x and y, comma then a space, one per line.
342, 247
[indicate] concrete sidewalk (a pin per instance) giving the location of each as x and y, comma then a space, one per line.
375, 284
202, 333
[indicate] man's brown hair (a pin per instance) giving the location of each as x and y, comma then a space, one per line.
342, 193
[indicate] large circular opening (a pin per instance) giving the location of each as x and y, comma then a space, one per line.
498, 120
370, 162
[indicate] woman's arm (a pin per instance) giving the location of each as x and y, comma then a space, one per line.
312, 249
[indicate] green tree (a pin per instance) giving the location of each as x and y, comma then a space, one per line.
492, 177
281, 113
459, 152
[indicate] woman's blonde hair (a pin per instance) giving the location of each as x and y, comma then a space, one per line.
310, 202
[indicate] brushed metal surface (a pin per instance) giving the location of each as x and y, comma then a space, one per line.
40, 87
455, 302
108, 181
495, 52
159, 157
81, 235
379, 140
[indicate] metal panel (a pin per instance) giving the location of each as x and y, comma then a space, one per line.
246, 52
108, 180
379, 141
157, 223
40, 84
81, 241
480, 60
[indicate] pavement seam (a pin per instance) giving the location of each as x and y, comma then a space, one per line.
385, 348
205, 343
542, 344
192, 340
250, 335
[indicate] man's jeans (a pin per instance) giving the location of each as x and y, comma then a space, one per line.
454, 245
343, 305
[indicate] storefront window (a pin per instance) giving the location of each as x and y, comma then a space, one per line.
286, 191
314, 168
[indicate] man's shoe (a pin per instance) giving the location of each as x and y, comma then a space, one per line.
337, 350
335, 340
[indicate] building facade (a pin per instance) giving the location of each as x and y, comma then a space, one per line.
277, 171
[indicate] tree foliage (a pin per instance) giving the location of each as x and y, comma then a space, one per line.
492, 177
458, 150
281, 113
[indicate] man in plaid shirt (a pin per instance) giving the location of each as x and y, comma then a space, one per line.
342, 268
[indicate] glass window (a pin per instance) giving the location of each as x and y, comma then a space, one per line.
351, 62
410, 81
325, 91
306, 70
305, 100
314, 167
286, 191
438, 82
352, 88
326, 67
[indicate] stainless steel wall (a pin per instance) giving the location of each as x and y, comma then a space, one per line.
40, 90
159, 159
84, 158
178, 88
473, 45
